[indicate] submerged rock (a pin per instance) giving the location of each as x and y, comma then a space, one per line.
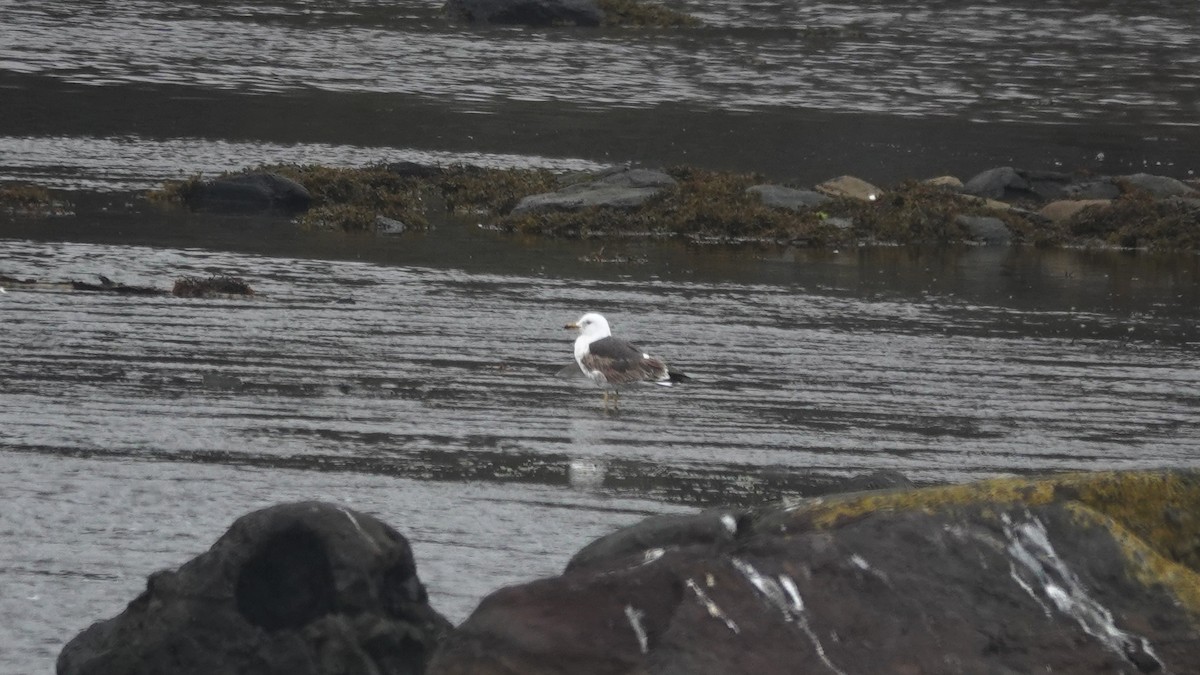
986, 229
1082, 574
782, 197
248, 193
296, 589
620, 189
216, 285
528, 12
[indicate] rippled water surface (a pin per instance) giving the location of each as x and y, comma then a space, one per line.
414, 377
137, 429
807, 90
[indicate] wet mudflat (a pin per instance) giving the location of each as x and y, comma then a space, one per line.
137, 429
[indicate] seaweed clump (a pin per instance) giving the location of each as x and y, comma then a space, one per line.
368, 199
703, 205
1137, 219
27, 199
635, 13
211, 286
351, 199
472, 188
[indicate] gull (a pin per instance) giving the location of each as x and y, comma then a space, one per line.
611, 362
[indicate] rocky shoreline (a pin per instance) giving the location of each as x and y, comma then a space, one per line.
1073, 573
1000, 206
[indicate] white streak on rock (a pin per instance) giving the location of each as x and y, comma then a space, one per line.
360, 529
635, 622
793, 593
730, 523
769, 588
1038, 567
859, 562
651, 555
784, 595
713, 610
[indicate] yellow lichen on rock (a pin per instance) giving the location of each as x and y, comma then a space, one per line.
1153, 516
1145, 562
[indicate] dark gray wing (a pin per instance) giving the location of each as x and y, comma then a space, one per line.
619, 362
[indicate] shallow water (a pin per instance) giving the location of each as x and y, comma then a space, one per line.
133, 431
99, 94
137, 429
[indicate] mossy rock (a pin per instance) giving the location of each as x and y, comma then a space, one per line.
1153, 515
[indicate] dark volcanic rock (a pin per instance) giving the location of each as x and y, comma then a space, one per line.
1071, 574
660, 532
296, 589
528, 12
619, 189
249, 193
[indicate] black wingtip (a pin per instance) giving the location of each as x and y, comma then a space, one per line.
678, 377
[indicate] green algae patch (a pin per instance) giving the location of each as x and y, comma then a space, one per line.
1137, 219
634, 13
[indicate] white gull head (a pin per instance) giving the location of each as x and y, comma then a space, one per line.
591, 327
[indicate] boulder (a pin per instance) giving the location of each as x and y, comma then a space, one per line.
951, 182
985, 229
1054, 185
849, 186
249, 193
1073, 573
304, 589
385, 225
781, 197
1160, 186
528, 12
1059, 211
620, 189
1002, 182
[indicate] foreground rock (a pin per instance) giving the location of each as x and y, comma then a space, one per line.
296, 589
1074, 574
